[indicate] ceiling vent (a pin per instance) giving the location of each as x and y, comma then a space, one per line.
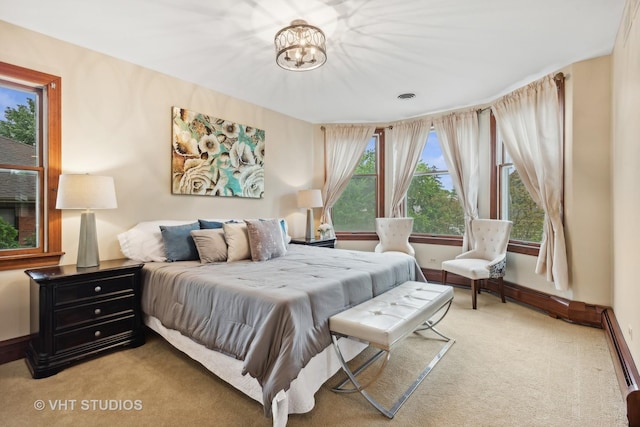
406, 95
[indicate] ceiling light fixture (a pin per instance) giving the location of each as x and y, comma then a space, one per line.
300, 47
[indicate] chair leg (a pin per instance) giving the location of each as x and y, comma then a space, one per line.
474, 295
444, 277
501, 284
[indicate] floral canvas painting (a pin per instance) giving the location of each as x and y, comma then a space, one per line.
216, 157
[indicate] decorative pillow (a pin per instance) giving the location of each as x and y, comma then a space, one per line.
144, 243
210, 244
235, 233
265, 239
205, 224
178, 243
285, 231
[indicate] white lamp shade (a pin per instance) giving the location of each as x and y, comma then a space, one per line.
86, 192
309, 199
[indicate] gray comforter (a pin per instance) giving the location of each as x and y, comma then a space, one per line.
273, 315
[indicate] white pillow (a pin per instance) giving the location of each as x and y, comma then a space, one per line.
237, 238
144, 241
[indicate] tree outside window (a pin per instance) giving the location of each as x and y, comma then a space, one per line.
357, 208
515, 202
432, 201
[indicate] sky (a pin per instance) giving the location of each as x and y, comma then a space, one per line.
432, 155
11, 97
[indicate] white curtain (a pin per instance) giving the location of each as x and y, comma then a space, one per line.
408, 141
344, 145
530, 123
459, 140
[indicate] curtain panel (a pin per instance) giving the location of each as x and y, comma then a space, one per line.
344, 146
530, 122
459, 140
408, 140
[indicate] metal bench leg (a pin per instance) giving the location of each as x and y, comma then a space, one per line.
430, 324
351, 375
358, 387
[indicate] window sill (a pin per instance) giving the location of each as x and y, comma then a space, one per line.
525, 248
17, 262
431, 239
356, 235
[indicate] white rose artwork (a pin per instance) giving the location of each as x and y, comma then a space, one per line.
216, 157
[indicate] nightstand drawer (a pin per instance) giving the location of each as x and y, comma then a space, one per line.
78, 315
94, 333
64, 294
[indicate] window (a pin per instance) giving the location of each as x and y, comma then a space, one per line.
431, 199
362, 200
515, 202
29, 167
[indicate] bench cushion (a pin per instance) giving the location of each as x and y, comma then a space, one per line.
390, 316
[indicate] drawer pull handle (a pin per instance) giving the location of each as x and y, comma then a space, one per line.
97, 312
97, 334
97, 289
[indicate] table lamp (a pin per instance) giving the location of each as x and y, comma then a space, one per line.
87, 192
310, 199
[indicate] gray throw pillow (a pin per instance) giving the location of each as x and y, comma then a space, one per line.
210, 244
265, 239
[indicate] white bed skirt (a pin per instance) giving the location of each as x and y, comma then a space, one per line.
300, 396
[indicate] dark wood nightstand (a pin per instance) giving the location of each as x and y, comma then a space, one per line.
83, 312
329, 242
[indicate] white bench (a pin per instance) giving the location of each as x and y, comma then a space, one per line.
384, 321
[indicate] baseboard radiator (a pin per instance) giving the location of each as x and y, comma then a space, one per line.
626, 371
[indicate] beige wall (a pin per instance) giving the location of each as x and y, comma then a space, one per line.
588, 179
116, 121
626, 183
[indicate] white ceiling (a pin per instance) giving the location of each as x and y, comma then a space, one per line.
450, 53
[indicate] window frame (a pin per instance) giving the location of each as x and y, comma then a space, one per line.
380, 191
49, 250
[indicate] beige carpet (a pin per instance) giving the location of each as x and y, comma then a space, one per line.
510, 366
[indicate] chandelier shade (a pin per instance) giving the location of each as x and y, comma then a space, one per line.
300, 47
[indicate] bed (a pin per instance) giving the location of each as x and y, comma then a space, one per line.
262, 326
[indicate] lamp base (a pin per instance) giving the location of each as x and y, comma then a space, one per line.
88, 243
310, 234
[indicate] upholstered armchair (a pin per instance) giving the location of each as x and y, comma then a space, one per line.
394, 235
487, 259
